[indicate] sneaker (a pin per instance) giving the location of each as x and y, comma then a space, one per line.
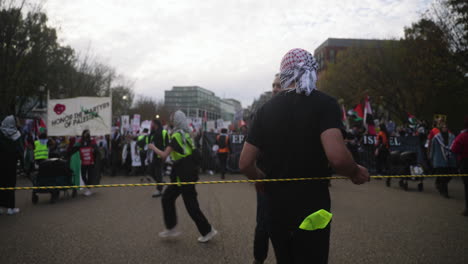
169, 233
157, 193
12, 211
87, 192
208, 237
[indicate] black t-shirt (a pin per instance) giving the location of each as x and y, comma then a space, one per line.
156, 137
287, 131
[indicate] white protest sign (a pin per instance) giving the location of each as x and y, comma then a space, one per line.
146, 124
125, 124
69, 117
136, 123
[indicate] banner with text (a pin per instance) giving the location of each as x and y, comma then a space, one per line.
69, 117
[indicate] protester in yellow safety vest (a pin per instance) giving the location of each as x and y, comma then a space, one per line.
160, 138
222, 140
181, 149
41, 148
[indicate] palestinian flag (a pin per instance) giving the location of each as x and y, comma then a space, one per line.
411, 119
358, 111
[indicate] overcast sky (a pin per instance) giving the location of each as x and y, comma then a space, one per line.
230, 47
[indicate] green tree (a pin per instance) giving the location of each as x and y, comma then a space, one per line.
31, 58
28, 51
122, 100
417, 74
148, 108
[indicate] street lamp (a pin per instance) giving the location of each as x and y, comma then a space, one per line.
157, 116
124, 97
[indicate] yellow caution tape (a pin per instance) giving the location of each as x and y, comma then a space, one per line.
219, 182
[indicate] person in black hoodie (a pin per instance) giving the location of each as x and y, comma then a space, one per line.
10, 152
160, 138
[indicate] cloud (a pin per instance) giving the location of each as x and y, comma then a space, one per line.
230, 47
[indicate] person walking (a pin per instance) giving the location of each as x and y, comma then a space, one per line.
181, 149
460, 147
382, 150
10, 152
222, 140
88, 155
443, 160
262, 237
159, 137
315, 119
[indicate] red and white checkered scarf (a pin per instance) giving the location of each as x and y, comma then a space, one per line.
299, 66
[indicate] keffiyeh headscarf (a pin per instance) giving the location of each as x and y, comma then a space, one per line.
180, 121
8, 128
300, 66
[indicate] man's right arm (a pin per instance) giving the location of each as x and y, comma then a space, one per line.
340, 158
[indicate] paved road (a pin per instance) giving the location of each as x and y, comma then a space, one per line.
372, 224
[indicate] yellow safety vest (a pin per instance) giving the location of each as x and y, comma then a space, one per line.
188, 146
41, 151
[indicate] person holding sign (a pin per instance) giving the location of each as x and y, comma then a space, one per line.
182, 151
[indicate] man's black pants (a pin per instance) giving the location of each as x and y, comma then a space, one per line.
189, 194
143, 162
261, 239
300, 246
222, 163
156, 172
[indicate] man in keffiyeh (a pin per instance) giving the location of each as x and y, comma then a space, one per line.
299, 135
299, 71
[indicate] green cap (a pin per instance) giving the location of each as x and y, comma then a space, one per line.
317, 220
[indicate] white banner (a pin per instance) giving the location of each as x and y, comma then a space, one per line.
69, 117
